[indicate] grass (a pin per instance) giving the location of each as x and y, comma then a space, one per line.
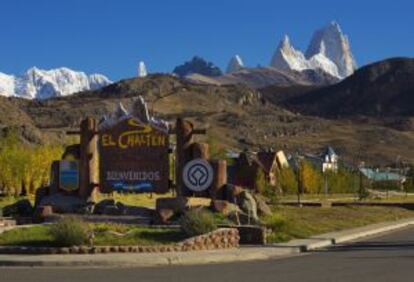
350, 198
289, 223
135, 235
142, 200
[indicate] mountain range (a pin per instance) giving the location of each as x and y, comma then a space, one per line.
41, 84
327, 60
367, 116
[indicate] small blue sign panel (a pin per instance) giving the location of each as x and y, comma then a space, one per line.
69, 175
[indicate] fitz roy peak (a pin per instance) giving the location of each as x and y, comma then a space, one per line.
42, 84
235, 64
329, 51
336, 47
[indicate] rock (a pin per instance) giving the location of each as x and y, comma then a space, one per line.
62, 203
99, 207
180, 204
241, 218
111, 210
177, 204
138, 211
41, 213
223, 207
40, 193
164, 216
262, 207
248, 205
121, 208
21, 208
231, 192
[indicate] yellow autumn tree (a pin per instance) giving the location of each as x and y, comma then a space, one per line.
24, 165
311, 178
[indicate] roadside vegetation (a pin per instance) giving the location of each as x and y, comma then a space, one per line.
287, 222
70, 232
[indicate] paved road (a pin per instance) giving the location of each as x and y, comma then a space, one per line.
386, 258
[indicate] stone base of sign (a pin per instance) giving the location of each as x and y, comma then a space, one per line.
62, 204
252, 235
7, 222
223, 238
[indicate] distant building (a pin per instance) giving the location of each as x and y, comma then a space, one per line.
330, 160
246, 167
377, 175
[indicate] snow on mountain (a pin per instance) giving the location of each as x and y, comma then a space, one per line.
235, 64
41, 84
142, 69
329, 51
7, 83
337, 48
287, 57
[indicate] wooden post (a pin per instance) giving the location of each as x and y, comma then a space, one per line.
54, 177
88, 172
200, 151
184, 133
220, 179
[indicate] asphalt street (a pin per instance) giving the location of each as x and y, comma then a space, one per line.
389, 257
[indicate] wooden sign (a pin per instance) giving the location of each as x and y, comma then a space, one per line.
134, 157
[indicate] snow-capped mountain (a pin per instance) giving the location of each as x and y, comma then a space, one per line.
329, 51
235, 64
142, 69
336, 46
41, 84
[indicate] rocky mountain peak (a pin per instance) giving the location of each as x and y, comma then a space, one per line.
235, 64
337, 48
142, 69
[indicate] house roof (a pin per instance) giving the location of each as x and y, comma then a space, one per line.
266, 160
381, 175
329, 151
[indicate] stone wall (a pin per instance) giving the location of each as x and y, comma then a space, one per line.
223, 238
7, 222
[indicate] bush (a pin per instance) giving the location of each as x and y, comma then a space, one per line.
279, 226
69, 231
197, 222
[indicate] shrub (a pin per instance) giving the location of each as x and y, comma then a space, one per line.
279, 226
69, 231
197, 222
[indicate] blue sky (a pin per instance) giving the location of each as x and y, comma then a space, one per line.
110, 37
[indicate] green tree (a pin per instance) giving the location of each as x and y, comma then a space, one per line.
287, 180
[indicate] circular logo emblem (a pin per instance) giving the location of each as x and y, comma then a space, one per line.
198, 175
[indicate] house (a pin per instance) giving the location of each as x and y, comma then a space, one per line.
246, 166
330, 160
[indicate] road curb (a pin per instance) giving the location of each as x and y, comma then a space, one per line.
246, 253
333, 238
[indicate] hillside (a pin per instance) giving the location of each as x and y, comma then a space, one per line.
12, 118
236, 116
383, 89
263, 77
